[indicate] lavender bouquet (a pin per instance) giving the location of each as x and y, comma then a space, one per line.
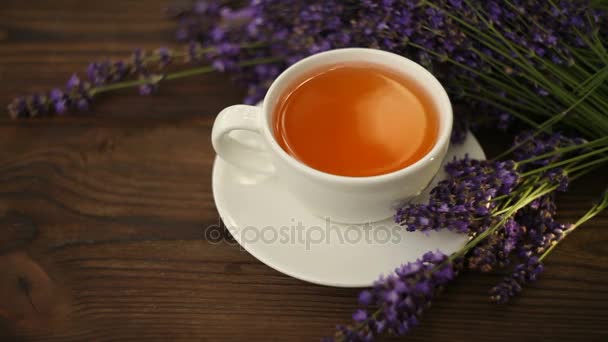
519, 65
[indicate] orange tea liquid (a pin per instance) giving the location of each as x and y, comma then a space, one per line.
356, 120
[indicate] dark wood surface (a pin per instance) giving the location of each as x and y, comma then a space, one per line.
102, 214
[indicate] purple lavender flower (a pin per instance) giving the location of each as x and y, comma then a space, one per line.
463, 202
536, 219
512, 285
97, 73
489, 254
73, 83
530, 145
82, 104
225, 57
560, 177
513, 234
58, 98
151, 85
120, 71
400, 298
78, 94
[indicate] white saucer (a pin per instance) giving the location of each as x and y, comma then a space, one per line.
264, 218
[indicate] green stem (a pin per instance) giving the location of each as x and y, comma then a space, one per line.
572, 176
586, 165
600, 142
116, 86
569, 161
511, 111
541, 191
525, 184
544, 125
177, 75
533, 75
493, 81
530, 72
529, 195
525, 90
155, 57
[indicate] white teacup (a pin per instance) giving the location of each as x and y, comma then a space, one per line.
339, 198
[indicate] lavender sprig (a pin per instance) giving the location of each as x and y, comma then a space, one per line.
401, 298
143, 70
530, 270
459, 202
478, 194
515, 222
512, 285
369, 324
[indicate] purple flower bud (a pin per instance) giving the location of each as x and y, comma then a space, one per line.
424, 221
401, 297
424, 288
512, 285
56, 94
365, 297
73, 83
391, 297
60, 106
164, 55
146, 89
82, 104
92, 72
360, 316
231, 49
456, 3
444, 275
217, 33
120, 71
433, 257
409, 269
224, 65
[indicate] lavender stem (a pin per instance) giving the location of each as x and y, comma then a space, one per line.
177, 75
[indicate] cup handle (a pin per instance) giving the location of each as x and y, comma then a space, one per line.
232, 139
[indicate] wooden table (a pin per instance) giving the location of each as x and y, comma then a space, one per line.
102, 214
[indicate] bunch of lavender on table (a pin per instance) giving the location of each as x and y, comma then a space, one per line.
515, 58
144, 70
534, 61
506, 207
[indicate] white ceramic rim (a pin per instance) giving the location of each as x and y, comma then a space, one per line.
371, 56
